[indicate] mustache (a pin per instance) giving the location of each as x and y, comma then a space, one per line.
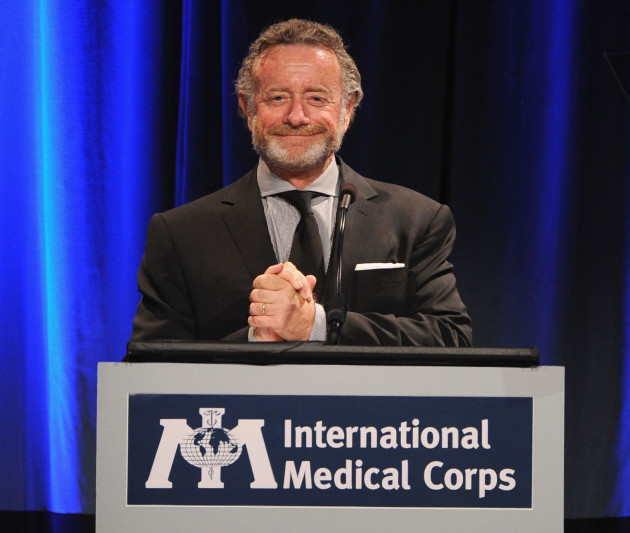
306, 129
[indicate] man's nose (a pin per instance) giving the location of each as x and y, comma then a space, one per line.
297, 114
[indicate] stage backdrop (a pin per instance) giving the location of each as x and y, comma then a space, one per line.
514, 113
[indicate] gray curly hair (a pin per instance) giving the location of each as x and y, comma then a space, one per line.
298, 31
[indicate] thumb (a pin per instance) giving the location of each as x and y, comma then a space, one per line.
275, 269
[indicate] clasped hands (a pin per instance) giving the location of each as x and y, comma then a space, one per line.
282, 304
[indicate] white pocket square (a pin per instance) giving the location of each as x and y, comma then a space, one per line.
378, 266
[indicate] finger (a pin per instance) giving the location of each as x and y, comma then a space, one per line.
265, 296
312, 281
270, 282
298, 281
308, 286
275, 269
259, 321
306, 292
259, 309
295, 278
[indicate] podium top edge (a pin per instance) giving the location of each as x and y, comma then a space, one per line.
265, 353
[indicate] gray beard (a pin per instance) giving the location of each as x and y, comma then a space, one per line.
268, 147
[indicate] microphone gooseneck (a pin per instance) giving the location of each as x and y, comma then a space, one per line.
336, 305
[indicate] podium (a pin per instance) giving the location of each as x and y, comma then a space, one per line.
309, 438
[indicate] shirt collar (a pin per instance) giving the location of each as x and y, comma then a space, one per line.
270, 184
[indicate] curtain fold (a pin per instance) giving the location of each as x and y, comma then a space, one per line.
82, 109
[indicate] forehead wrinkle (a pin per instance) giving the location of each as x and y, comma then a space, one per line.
325, 59
307, 88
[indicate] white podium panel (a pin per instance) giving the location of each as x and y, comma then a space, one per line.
311, 448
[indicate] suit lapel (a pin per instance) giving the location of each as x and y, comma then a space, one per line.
361, 217
244, 217
245, 220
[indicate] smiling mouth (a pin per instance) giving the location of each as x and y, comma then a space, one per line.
303, 131
297, 134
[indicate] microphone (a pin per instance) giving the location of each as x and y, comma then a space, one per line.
336, 305
348, 193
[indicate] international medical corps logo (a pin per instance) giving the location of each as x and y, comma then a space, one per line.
210, 448
329, 451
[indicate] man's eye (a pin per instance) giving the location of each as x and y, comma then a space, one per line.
318, 100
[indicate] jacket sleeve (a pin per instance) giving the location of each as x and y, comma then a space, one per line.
165, 310
433, 313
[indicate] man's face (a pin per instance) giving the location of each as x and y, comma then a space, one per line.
299, 120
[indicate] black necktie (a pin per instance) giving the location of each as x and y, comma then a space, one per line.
306, 250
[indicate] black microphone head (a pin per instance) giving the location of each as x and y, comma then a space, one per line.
350, 189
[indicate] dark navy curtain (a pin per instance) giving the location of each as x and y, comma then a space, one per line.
514, 113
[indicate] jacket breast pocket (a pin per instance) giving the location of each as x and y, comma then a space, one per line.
379, 290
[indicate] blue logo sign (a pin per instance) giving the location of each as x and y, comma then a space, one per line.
330, 451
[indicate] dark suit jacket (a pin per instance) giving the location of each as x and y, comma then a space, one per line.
201, 259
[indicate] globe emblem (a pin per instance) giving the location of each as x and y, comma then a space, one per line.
210, 447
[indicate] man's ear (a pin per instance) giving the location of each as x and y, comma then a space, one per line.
244, 106
349, 111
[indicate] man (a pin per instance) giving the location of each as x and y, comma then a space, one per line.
211, 263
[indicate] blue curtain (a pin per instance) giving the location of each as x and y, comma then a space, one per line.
540, 188
80, 109
509, 111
